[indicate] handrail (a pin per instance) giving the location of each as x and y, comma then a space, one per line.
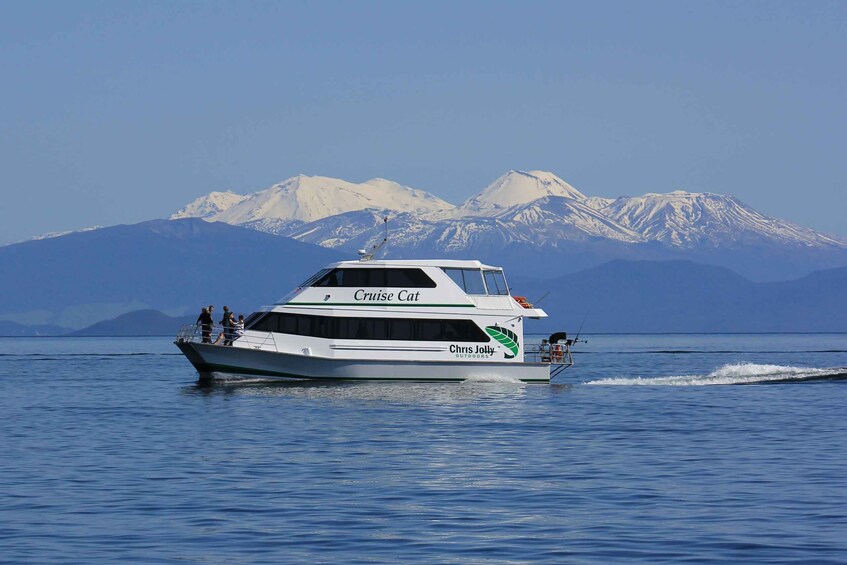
220, 335
552, 353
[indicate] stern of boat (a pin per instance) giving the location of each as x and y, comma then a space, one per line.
557, 355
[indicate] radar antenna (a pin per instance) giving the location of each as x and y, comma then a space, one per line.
364, 254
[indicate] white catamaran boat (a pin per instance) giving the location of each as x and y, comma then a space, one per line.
439, 320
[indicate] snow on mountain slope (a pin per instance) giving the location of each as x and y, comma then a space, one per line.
208, 206
59, 233
684, 219
547, 222
347, 229
310, 198
514, 188
409, 234
275, 226
533, 207
597, 202
565, 218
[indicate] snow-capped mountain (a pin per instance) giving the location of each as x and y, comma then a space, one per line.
532, 218
408, 233
515, 188
563, 218
209, 206
304, 199
685, 219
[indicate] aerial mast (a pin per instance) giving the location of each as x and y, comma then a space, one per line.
364, 254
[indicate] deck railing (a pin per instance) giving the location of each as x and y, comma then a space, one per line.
553, 353
193, 333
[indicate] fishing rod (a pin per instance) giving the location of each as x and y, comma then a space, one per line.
579, 331
540, 299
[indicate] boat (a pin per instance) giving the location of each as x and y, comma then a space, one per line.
401, 320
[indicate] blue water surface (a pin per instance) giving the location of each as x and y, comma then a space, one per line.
645, 451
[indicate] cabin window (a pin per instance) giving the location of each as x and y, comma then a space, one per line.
397, 329
496, 282
375, 278
469, 280
251, 319
310, 281
402, 330
407, 278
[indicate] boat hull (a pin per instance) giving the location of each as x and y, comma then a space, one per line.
208, 358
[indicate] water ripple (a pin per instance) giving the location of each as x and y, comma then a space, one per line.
124, 457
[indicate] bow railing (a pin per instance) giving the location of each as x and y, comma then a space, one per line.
225, 336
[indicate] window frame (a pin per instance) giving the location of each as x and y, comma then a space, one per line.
497, 282
465, 278
371, 328
416, 278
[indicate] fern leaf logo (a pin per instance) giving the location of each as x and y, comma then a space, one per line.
506, 337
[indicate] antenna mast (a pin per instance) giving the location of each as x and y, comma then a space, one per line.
364, 254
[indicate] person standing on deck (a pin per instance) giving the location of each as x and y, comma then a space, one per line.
239, 326
226, 323
205, 321
229, 328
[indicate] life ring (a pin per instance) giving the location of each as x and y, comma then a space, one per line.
557, 353
522, 301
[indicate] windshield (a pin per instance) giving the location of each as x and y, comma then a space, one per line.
313, 278
496, 282
469, 280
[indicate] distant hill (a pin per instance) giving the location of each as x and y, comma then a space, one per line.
177, 266
681, 296
138, 323
170, 265
637, 297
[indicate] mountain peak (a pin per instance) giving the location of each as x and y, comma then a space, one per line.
680, 194
305, 198
210, 205
519, 187
689, 219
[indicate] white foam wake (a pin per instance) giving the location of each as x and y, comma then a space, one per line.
493, 379
733, 374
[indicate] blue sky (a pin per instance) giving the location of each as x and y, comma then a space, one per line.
118, 112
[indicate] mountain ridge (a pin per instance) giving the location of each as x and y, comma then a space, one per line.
685, 297
306, 199
537, 201
547, 227
620, 297
82, 278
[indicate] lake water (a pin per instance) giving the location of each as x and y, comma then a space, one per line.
644, 452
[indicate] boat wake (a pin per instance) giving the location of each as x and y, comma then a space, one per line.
735, 374
497, 379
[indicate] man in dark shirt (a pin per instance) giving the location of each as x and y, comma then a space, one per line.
205, 321
225, 325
